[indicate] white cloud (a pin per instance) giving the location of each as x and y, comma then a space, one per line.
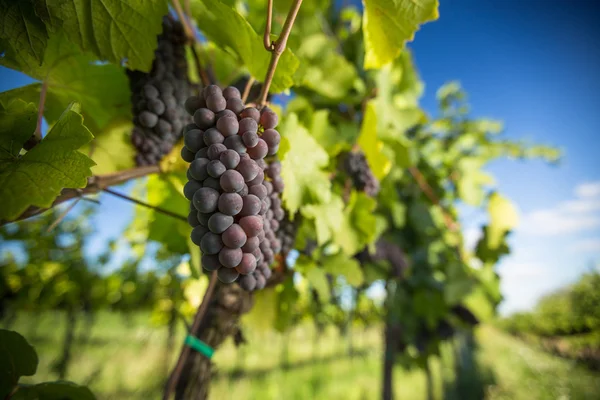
586, 245
514, 272
588, 189
471, 236
574, 215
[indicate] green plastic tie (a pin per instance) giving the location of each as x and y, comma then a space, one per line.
199, 346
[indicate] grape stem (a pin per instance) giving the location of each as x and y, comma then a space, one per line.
185, 350
63, 215
191, 37
141, 203
267, 36
278, 47
96, 184
246, 93
425, 188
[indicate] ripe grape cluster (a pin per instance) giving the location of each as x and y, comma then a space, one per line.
158, 97
231, 202
356, 166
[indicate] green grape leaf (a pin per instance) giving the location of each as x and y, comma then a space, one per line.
59, 390
333, 138
166, 192
111, 149
472, 179
342, 264
113, 30
21, 31
371, 146
389, 24
241, 39
102, 90
36, 178
458, 283
17, 358
328, 218
302, 161
195, 260
17, 123
323, 69
287, 295
359, 226
318, 280
503, 218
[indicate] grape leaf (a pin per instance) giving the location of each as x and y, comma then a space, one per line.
17, 358
17, 123
21, 31
472, 179
359, 225
323, 69
333, 138
111, 29
263, 314
302, 160
503, 218
341, 264
111, 149
36, 178
328, 218
315, 275
371, 146
59, 390
240, 38
102, 90
389, 24
166, 192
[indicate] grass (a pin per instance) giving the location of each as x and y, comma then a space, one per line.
124, 358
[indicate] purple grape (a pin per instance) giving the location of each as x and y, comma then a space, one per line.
230, 158
215, 168
250, 139
251, 244
227, 275
193, 140
211, 243
252, 205
190, 188
203, 218
268, 118
235, 105
202, 153
261, 282
198, 169
260, 177
231, 92
205, 199
219, 222
210, 90
248, 283
212, 183
216, 102
214, 151
236, 143
248, 124
148, 119
234, 237
232, 181
187, 155
252, 225
193, 103
230, 203
198, 233
213, 136
229, 257
193, 219
204, 118
248, 169
259, 191
259, 151
251, 112
210, 262
228, 126
247, 265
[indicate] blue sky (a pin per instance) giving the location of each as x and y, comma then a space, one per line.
533, 64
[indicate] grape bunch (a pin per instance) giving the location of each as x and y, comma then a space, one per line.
158, 97
284, 229
356, 166
230, 199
